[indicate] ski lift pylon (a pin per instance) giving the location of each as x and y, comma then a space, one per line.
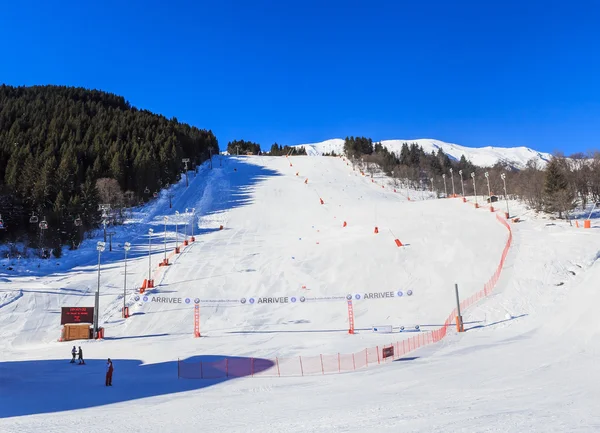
44, 224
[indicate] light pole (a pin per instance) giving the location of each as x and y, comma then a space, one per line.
127, 247
186, 221
452, 179
474, 189
193, 222
445, 191
487, 177
462, 182
150, 283
431, 179
503, 176
165, 218
176, 231
100, 247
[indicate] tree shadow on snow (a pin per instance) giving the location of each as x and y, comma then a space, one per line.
237, 192
45, 386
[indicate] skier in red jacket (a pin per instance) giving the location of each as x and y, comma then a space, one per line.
109, 372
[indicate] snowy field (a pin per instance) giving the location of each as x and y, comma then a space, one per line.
526, 363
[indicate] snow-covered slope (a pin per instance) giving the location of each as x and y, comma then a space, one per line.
480, 156
527, 362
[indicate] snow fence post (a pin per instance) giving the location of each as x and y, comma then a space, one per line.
459, 320
301, 367
322, 368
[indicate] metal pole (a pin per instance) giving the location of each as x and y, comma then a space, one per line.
125, 284
97, 301
165, 218
445, 191
452, 178
459, 321
487, 177
149, 254
176, 234
474, 187
503, 176
462, 182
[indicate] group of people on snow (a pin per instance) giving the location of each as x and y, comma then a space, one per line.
109, 364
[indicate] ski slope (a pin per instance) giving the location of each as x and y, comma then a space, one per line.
532, 370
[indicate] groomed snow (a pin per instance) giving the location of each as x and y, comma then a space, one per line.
534, 371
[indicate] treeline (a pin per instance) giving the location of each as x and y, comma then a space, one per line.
413, 167
65, 150
560, 187
242, 147
278, 150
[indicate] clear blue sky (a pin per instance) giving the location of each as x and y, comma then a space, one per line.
477, 72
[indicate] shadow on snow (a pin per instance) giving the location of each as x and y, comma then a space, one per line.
45, 386
239, 185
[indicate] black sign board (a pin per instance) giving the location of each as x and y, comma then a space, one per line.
77, 315
388, 351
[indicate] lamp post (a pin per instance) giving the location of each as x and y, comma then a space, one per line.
503, 176
462, 182
452, 179
127, 247
186, 222
487, 178
176, 230
165, 219
445, 191
150, 231
193, 222
100, 248
474, 189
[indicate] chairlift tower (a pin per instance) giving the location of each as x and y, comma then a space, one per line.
105, 208
185, 161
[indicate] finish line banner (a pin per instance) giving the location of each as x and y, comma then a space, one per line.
273, 300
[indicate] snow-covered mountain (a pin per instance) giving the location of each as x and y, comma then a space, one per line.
481, 156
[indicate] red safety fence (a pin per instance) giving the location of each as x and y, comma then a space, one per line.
338, 363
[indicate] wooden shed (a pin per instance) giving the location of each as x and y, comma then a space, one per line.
76, 331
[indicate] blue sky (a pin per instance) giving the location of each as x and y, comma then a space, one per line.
477, 73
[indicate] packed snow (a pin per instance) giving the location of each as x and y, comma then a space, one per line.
526, 363
480, 156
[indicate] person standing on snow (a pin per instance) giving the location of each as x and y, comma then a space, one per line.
109, 372
74, 353
81, 361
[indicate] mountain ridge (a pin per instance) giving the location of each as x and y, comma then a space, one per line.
481, 156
